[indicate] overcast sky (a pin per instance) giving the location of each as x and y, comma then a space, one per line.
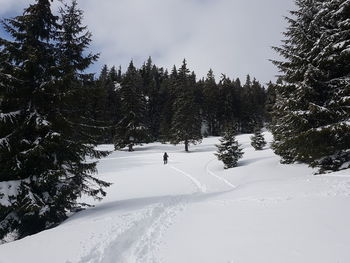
230, 36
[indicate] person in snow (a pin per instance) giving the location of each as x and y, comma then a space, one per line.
165, 158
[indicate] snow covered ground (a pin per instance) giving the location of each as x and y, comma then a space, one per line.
192, 210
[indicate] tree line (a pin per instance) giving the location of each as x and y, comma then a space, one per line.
152, 104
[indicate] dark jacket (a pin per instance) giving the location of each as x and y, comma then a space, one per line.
165, 156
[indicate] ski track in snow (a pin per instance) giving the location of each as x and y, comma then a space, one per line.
138, 233
137, 238
218, 177
123, 157
201, 188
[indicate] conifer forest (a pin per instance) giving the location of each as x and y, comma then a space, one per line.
55, 114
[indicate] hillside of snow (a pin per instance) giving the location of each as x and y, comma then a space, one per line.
192, 210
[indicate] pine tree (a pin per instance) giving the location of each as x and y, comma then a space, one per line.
227, 103
113, 104
79, 91
258, 140
238, 102
105, 103
252, 101
152, 80
40, 160
211, 103
167, 97
270, 102
132, 129
229, 151
312, 110
186, 122
99, 94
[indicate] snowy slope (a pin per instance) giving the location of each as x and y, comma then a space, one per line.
192, 210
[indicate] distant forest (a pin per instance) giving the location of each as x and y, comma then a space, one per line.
152, 104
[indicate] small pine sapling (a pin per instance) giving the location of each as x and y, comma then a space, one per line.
258, 140
229, 151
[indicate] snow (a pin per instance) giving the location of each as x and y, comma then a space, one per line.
5, 141
192, 210
345, 51
8, 189
117, 86
9, 115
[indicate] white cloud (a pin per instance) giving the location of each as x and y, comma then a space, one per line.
9, 6
230, 36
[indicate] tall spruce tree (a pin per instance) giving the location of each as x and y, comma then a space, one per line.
252, 103
229, 151
227, 103
167, 97
41, 163
99, 98
312, 110
113, 106
186, 122
270, 103
105, 104
132, 128
76, 86
211, 103
152, 78
79, 130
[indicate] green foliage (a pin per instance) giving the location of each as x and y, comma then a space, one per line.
104, 105
186, 121
270, 103
229, 151
211, 103
153, 79
211, 106
312, 109
132, 129
42, 160
239, 105
258, 140
166, 101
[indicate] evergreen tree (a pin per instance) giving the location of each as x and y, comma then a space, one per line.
113, 107
258, 140
238, 104
76, 86
252, 101
99, 97
211, 103
40, 160
229, 151
270, 103
167, 97
152, 80
132, 128
312, 110
106, 103
186, 122
227, 104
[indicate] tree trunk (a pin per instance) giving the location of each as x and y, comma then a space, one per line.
130, 148
186, 145
211, 127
